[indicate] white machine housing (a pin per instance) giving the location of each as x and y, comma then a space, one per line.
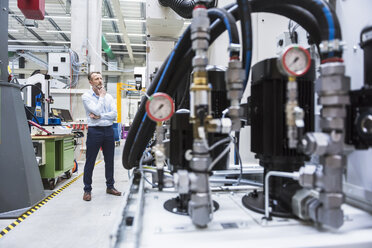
59, 64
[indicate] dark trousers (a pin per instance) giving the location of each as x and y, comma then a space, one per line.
99, 137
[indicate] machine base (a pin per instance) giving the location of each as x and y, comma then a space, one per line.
174, 205
255, 201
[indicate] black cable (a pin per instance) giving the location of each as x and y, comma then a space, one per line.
33, 115
185, 91
183, 8
237, 152
320, 10
295, 13
230, 24
137, 120
246, 29
32, 85
337, 26
336, 21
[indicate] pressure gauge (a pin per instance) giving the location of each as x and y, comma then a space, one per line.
160, 107
294, 61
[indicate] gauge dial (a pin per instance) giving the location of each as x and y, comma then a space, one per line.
295, 61
160, 107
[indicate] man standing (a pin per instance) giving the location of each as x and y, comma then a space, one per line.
101, 112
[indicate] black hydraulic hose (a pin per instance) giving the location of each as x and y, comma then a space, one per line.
183, 8
32, 85
246, 28
29, 111
322, 12
325, 16
140, 117
337, 27
230, 24
336, 21
302, 17
137, 121
297, 14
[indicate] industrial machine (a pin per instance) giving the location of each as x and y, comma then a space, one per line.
19, 173
302, 155
44, 120
38, 97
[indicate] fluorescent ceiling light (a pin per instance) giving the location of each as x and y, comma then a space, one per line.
39, 41
110, 19
134, 35
103, 18
123, 44
126, 53
58, 31
137, 35
126, 20
134, 1
13, 30
135, 20
59, 42
47, 16
25, 41
58, 17
114, 34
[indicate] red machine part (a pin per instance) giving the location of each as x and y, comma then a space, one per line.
40, 127
32, 9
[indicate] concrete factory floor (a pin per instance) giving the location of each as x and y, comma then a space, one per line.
68, 221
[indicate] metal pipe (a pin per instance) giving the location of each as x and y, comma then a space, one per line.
294, 175
219, 143
223, 153
137, 224
232, 181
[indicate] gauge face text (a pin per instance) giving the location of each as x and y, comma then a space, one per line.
296, 61
160, 107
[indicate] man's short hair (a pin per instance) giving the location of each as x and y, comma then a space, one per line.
91, 73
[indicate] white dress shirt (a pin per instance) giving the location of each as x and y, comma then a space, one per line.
102, 106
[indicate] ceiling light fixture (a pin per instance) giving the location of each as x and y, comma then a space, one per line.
135, 20
134, 1
133, 35
58, 17
58, 31
123, 44
114, 34
40, 41
109, 19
